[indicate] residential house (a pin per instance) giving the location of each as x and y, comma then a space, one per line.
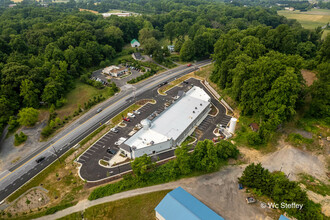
170, 48
137, 56
135, 43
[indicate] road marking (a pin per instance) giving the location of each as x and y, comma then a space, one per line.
14, 184
106, 157
103, 146
91, 150
28, 173
6, 190
22, 178
88, 153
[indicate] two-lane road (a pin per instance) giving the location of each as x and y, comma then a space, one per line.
13, 178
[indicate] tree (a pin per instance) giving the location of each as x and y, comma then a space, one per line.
183, 159
28, 116
151, 45
141, 165
205, 156
187, 52
320, 92
170, 31
29, 94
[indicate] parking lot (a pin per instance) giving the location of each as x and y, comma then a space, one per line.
92, 171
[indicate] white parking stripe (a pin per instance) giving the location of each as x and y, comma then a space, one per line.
84, 156
87, 153
92, 150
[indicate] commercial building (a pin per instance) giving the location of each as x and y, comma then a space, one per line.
171, 127
114, 71
180, 205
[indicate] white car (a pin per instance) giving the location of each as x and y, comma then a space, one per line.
114, 130
136, 112
131, 115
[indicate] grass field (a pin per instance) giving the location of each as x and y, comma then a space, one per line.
310, 19
137, 207
78, 96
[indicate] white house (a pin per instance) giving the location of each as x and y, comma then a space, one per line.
135, 43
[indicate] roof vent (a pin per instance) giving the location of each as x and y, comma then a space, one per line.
195, 107
201, 104
193, 111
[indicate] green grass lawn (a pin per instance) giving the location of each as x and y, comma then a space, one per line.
310, 19
137, 207
78, 96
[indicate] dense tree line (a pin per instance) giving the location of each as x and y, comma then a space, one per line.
260, 68
280, 189
44, 49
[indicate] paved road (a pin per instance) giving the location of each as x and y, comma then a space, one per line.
19, 174
92, 171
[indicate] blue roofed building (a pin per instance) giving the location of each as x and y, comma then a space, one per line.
282, 217
180, 205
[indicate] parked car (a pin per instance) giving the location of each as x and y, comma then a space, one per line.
250, 200
114, 130
185, 82
111, 151
131, 115
126, 119
189, 65
40, 159
136, 112
98, 110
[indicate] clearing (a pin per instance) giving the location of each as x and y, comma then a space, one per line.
310, 19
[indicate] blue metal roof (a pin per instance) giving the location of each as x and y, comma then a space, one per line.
180, 205
282, 217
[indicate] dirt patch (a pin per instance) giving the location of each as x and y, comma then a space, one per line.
34, 199
293, 161
308, 76
250, 155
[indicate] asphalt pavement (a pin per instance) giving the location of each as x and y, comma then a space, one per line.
90, 169
13, 178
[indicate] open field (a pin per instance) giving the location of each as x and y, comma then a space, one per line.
310, 19
78, 96
137, 207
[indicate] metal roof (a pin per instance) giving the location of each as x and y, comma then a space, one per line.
172, 121
180, 205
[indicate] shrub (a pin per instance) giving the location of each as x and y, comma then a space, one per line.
20, 138
254, 139
28, 116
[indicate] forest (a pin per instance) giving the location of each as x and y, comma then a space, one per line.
258, 53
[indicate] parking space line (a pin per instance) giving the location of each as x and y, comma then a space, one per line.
90, 149
108, 158
88, 153
84, 156
82, 160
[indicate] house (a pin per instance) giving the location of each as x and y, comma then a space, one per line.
170, 48
254, 127
12, 5
119, 14
115, 71
180, 205
137, 56
135, 43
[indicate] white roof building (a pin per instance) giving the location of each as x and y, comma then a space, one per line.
172, 126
